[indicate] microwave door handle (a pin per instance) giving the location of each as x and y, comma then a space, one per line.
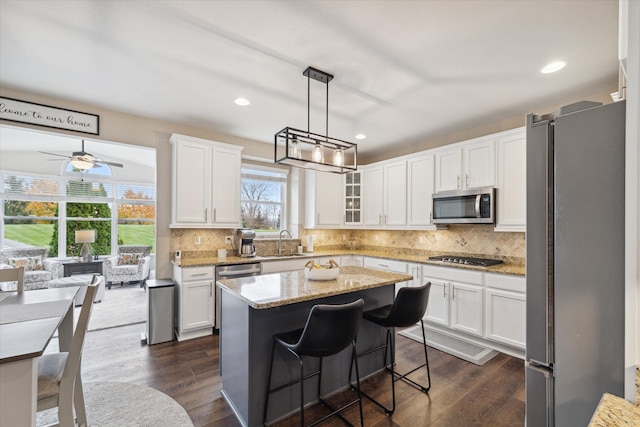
478, 213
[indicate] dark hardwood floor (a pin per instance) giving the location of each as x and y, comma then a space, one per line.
462, 394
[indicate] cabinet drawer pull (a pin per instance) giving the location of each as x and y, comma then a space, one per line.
206, 214
198, 274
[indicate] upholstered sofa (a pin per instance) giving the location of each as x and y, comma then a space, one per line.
38, 269
132, 264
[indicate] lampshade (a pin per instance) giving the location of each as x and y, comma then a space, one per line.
85, 236
304, 149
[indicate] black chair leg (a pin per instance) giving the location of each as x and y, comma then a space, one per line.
266, 401
389, 346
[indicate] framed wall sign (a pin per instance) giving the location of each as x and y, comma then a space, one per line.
15, 110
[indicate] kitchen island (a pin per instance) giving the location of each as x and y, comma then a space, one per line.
256, 308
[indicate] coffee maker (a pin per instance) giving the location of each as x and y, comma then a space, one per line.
244, 242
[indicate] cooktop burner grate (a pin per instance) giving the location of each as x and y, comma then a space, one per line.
478, 262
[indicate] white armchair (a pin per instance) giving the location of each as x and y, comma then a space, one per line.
132, 264
38, 269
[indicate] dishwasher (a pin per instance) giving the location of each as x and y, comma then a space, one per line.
234, 271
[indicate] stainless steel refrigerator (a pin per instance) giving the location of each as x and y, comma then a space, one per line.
575, 262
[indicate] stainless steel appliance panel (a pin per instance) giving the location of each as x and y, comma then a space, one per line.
575, 262
539, 239
589, 260
233, 271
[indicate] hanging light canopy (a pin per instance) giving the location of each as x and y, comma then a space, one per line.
308, 150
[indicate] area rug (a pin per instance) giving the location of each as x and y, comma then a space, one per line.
115, 404
462, 349
121, 305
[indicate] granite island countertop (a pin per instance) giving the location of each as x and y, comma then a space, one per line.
278, 289
517, 269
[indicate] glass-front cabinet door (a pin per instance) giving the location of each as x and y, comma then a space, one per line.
353, 199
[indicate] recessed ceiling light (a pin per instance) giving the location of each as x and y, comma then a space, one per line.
361, 136
553, 67
243, 102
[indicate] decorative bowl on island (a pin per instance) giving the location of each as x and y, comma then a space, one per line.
313, 271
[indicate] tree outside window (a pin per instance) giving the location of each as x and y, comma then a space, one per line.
263, 199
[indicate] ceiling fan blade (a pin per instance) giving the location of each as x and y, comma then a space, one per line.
118, 165
54, 154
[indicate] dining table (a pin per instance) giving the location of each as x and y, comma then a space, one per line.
28, 321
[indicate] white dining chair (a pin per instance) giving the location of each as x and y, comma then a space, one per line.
13, 275
59, 377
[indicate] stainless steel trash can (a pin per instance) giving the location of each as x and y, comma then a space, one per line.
159, 310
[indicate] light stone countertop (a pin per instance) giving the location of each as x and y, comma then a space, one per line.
614, 411
506, 268
277, 289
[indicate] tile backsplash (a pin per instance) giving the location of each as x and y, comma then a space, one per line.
457, 239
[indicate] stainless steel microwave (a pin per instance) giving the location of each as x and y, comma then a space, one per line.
475, 206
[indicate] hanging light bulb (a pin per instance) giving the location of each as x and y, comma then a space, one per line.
316, 153
294, 149
338, 157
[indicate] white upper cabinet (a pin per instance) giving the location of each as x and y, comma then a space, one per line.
512, 180
323, 199
353, 198
206, 179
385, 194
373, 186
420, 184
468, 165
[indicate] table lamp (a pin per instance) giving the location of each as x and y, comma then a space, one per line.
84, 237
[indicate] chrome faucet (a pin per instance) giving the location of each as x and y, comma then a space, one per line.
280, 240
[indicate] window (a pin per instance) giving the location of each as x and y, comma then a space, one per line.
46, 211
263, 196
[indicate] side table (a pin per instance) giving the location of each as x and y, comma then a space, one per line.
79, 267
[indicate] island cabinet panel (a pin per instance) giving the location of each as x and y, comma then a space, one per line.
245, 350
255, 309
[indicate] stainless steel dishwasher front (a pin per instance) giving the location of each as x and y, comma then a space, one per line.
234, 271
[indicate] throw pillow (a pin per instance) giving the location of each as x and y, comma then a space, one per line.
129, 259
29, 263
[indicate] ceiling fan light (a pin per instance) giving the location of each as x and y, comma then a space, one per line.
82, 164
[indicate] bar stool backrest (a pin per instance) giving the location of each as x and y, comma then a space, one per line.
329, 329
409, 306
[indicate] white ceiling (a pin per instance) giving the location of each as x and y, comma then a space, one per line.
405, 71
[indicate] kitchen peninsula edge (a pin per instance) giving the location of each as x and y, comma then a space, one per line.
256, 308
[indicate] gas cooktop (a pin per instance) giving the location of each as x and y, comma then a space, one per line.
478, 262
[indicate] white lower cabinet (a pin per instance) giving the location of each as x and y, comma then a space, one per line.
455, 299
466, 308
505, 309
195, 301
438, 307
353, 260
388, 265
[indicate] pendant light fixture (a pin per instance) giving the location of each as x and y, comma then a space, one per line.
305, 149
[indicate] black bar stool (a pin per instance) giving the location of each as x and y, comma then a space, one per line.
329, 330
408, 308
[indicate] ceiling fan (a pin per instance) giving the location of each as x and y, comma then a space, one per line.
83, 160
